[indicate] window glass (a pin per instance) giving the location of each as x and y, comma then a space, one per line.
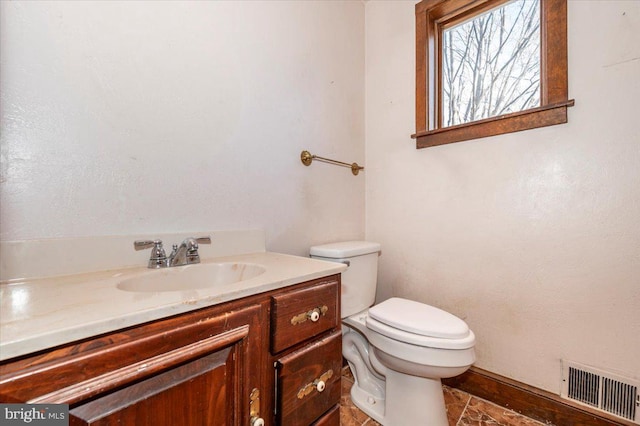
491, 64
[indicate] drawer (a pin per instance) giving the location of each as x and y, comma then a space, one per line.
301, 314
331, 418
309, 381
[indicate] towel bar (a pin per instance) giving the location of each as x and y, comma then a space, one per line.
306, 157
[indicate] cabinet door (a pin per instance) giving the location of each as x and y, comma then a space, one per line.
196, 393
195, 369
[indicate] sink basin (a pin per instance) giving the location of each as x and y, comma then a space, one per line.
191, 277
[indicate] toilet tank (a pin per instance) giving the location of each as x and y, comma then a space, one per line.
360, 279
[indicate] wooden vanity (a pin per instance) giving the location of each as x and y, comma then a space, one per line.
272, 358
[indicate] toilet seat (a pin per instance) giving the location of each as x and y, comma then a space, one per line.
419, 324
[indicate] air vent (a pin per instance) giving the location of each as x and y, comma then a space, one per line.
602, 390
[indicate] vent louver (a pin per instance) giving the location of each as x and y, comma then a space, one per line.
601, 390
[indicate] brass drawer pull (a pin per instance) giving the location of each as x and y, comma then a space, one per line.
318, 384
254, 408
313, 315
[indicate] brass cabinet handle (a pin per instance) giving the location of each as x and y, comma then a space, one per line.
318, 384
313, 315
254, 407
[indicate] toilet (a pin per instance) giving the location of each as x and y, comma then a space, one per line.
398, 350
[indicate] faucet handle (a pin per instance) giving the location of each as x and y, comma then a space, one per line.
158, 257
192, 248
192, 243
145, 244
204, 240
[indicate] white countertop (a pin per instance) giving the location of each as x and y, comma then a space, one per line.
41, 313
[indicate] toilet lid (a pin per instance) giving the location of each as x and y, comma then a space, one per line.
466, 342
417, 318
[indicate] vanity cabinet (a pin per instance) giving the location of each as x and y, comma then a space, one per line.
212, 366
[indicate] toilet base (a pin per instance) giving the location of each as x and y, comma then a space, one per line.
372, 406
409, 400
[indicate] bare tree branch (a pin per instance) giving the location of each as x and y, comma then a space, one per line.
491, 64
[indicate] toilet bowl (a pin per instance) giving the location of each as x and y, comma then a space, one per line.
398, 350
400, 383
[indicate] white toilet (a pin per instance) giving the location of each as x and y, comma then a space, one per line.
399, 349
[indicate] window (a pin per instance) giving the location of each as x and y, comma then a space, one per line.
489, 67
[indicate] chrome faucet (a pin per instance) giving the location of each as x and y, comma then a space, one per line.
184, 254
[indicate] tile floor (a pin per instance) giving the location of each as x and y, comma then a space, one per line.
463, 409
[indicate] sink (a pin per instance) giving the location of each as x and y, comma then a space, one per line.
191, 277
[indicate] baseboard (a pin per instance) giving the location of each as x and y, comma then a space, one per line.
529, 401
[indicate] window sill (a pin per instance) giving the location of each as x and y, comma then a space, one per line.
547, 115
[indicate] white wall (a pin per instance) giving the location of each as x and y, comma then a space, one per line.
142, 117
533, 238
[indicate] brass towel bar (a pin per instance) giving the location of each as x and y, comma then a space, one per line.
307, 158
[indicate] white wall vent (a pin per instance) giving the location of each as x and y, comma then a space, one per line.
602, 390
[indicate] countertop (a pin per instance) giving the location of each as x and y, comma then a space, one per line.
37, 314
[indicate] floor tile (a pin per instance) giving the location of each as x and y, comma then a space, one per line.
481, 412
455, 401
462, 410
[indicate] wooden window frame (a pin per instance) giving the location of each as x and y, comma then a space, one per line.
431, 17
